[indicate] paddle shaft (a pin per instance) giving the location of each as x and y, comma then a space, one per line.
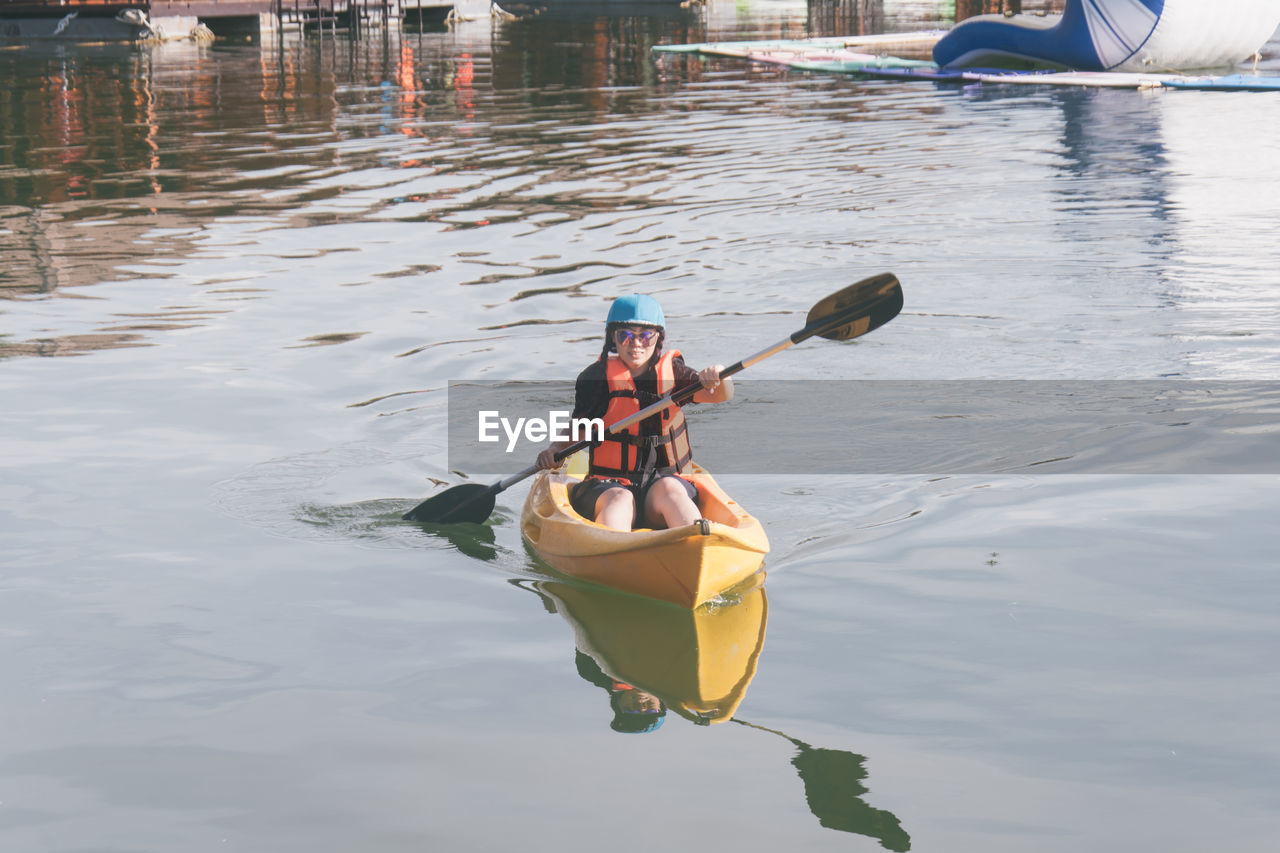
684, 394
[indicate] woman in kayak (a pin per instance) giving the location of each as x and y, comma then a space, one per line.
638, 468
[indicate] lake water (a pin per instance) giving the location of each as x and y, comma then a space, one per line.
239, 278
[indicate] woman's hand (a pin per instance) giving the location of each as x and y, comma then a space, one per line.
714, 389
710, 377
547, 458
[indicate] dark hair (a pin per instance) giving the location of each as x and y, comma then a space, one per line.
635, 722
610, 346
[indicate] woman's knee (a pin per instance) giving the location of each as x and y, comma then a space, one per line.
615, 500
670, 494
669, 488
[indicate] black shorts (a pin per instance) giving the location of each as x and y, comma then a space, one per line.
583, 496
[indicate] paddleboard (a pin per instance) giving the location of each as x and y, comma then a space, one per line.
919, 40
1229, 83
1088, 79
839, 61
928, 71
1131, 80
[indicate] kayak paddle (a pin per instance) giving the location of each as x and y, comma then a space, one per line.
842, 316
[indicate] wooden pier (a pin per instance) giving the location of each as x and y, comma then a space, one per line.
139, 20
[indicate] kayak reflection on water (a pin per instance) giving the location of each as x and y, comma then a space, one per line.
654, 658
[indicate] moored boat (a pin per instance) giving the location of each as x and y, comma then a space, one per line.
687, 566
75, 20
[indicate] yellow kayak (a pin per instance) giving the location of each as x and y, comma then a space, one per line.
686, 565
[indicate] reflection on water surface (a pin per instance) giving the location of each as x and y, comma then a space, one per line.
652, 658
697, 663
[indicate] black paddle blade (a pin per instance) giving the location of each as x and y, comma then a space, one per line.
470, 502
856, 310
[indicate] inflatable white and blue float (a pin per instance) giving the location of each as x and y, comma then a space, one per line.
1115, 35
1099, 42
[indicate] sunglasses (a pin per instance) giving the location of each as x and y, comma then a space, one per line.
644, 336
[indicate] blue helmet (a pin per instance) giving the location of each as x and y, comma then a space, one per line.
641, 722
636, 309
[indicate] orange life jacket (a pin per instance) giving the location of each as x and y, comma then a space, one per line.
628, 455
